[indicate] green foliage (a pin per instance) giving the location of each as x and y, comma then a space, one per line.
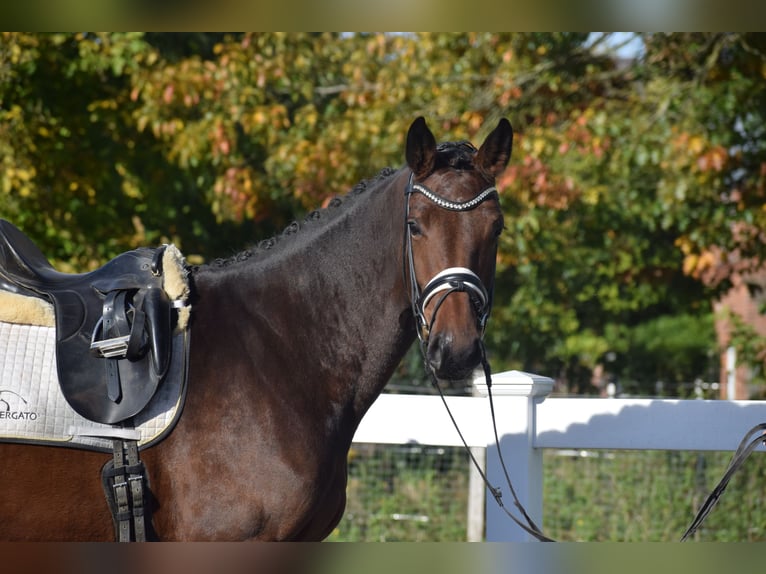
672, 349
624, 175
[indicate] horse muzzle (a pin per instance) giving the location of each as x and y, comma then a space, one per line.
452, 357
450, 361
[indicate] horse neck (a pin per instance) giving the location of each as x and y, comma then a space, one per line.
329, 302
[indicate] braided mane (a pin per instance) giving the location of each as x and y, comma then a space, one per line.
297, 226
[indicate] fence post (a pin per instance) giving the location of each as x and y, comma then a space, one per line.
476, 496
515, 395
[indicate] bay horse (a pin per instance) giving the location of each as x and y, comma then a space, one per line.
290, 345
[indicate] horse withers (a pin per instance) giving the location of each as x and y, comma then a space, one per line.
291, 342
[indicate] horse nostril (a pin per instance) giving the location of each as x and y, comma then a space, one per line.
451, 363
438, 349
475, 356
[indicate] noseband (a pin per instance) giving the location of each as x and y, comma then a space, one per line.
448, 281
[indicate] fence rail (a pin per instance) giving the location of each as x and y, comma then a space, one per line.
528, 421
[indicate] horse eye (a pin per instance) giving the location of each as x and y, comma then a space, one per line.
499, 230
414, 227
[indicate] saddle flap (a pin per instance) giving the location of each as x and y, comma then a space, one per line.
70, 309
111, 366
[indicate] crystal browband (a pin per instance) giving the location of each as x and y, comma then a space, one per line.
454, 205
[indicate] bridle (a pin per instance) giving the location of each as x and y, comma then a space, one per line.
450, 280
442, 285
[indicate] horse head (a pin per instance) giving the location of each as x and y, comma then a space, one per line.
453, 221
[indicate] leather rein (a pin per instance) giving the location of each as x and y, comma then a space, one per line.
449, 281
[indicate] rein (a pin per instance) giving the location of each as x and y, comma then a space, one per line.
746, 446
443, 284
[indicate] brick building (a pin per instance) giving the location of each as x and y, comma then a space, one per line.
746, 299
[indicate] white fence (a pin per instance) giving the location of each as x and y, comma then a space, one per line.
528, 423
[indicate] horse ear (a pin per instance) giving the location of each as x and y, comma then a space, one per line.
421, 148
495, 152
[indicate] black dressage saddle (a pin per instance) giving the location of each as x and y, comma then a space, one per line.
114, 325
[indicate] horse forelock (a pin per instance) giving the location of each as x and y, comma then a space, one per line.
456, 155
332, 208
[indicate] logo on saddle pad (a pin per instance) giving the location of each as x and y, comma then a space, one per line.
13, 406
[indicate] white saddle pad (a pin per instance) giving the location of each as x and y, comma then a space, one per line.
33, 409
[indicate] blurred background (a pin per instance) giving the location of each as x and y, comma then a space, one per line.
635, 199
